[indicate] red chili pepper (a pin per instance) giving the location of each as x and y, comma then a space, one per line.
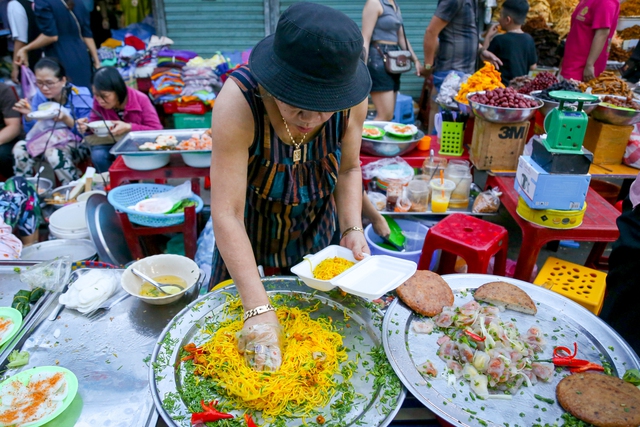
562, 356
249, 421
210, 414
587, 367
473, 336
191, 348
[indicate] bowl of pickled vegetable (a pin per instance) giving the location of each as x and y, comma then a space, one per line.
165, 269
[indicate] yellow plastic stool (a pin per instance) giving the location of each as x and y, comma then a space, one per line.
576, 282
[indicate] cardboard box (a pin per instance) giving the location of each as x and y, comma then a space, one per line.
606, 142
542, 190
497, 146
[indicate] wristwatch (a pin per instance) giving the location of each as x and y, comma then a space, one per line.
428, 66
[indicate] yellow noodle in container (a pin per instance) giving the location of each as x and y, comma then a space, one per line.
331, 267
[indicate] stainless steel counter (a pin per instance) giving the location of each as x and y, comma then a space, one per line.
109, 355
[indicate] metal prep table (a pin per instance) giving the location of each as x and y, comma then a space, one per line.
109, 355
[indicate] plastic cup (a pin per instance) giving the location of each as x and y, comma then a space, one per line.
418, 193
431, 166
425, 143
440, 194
460, 175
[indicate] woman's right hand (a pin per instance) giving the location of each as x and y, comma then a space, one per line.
22, 57
22, 107
260, 342
82, 124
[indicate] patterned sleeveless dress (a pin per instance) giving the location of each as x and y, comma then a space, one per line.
290, 211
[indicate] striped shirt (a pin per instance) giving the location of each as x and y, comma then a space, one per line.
458, 40
289, 209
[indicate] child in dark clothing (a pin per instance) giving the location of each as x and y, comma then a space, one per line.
515, 48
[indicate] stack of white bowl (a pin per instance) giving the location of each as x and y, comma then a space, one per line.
69, 222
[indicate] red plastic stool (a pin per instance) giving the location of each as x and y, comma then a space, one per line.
471, 238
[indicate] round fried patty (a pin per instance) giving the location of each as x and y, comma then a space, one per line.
601, 400
426, 293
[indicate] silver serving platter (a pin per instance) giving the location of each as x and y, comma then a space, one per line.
557, 316
130, 143
373, 408
388, 145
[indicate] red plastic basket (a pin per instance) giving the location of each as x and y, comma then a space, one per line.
173, 107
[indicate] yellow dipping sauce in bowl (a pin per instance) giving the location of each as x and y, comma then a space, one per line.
148, 290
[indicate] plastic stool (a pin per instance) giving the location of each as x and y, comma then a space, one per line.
580, 284
473, 239
403, 112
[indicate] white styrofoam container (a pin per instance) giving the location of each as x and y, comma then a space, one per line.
304, 269
370, 278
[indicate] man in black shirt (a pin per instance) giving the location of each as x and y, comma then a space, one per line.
515, 48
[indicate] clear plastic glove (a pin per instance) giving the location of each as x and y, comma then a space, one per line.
260, 345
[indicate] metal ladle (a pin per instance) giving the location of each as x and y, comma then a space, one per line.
157, 285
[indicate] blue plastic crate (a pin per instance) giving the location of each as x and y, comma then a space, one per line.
125, 196
403, 112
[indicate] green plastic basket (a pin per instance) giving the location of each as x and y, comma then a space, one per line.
192, 121
451, 139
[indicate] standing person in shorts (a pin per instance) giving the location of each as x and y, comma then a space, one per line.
382, 31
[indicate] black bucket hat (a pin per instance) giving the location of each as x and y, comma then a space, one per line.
313, 61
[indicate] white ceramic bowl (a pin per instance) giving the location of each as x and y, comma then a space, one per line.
197, 160
83, 234
100, 127
83, 197
69, 218
146, 162
160, 265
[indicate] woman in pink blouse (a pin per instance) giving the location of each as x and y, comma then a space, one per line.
127, 109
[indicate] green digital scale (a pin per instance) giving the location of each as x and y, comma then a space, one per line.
566, 125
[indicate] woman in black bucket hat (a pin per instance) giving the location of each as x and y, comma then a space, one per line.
285, 167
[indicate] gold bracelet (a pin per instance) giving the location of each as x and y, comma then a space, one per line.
261, 309
350, 229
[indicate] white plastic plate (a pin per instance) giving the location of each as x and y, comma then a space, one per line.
370, 278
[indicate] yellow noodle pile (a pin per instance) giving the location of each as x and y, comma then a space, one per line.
312, 353
330, 268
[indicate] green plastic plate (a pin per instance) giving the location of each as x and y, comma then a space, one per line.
389, 129
13, 315
72, 384
365, 135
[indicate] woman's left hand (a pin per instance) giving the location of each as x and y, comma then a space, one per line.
357, 243
419, 68
120, 128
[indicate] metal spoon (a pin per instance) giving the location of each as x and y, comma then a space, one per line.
156, 284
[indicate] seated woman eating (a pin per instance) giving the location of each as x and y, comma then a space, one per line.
126, 108
55, 137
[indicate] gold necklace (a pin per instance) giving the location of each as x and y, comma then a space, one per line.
297, 153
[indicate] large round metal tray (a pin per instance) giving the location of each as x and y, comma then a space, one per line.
376, 406
562, 321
